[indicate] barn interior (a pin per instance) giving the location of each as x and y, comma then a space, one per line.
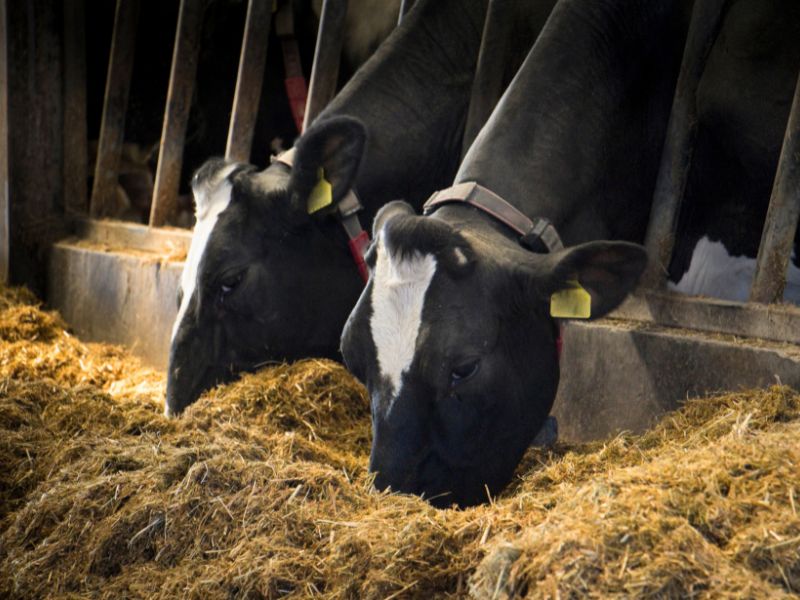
676, 470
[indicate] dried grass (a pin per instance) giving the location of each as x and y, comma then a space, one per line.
261, 490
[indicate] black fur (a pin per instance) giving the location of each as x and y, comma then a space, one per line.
576, 139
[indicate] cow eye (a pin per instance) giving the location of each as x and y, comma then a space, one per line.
465, 370
229, 284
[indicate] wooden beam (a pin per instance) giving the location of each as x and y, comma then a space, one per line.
249, 81
676, 159
76, 160
5, 207
35, 76
780, 226
327, 55
115, 106
176, 115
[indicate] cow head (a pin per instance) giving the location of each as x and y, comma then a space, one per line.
453, 339
264, 280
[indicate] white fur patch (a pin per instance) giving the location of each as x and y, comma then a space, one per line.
398, 296
715, 273
461, 258
210, 201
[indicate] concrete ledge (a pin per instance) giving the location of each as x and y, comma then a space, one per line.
117, 297
615, 374
623, 375
777, 322
168, 241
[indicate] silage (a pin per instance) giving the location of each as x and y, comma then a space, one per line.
262, 490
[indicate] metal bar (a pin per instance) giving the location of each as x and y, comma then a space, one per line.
115, 105
249, 81
488, 84
325, 71
76, 160
776, 322
405, 6
5, 206
679, 143
780, 226
176, 114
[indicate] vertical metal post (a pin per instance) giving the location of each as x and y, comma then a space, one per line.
115, 105
325, 71
780, 226
405, 6
76, 161
249, 80
487, 86
5, 207
176, 115
679, 142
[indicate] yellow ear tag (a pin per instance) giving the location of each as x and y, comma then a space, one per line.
571, 303
321, 194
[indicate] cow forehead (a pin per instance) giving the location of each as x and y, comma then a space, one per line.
399, 287
211, 201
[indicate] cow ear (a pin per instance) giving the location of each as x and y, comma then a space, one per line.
388, 211
609, 271
207, 183
331, 147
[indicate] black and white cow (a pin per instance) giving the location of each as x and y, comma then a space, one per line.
743, 104
367, 24
264, 280
453, 336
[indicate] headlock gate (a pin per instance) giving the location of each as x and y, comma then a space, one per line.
652, 314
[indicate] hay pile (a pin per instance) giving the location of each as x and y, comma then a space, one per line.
262, 491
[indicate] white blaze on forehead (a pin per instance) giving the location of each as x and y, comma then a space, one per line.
398, 296
211, 198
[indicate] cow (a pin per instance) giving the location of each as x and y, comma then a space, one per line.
367, 24
265, 281
453, 336
739, 136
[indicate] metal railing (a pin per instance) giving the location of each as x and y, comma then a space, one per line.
676, 161
780, 226
186, 51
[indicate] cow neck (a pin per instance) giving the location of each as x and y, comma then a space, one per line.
347, 210
412, 96
536, 234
